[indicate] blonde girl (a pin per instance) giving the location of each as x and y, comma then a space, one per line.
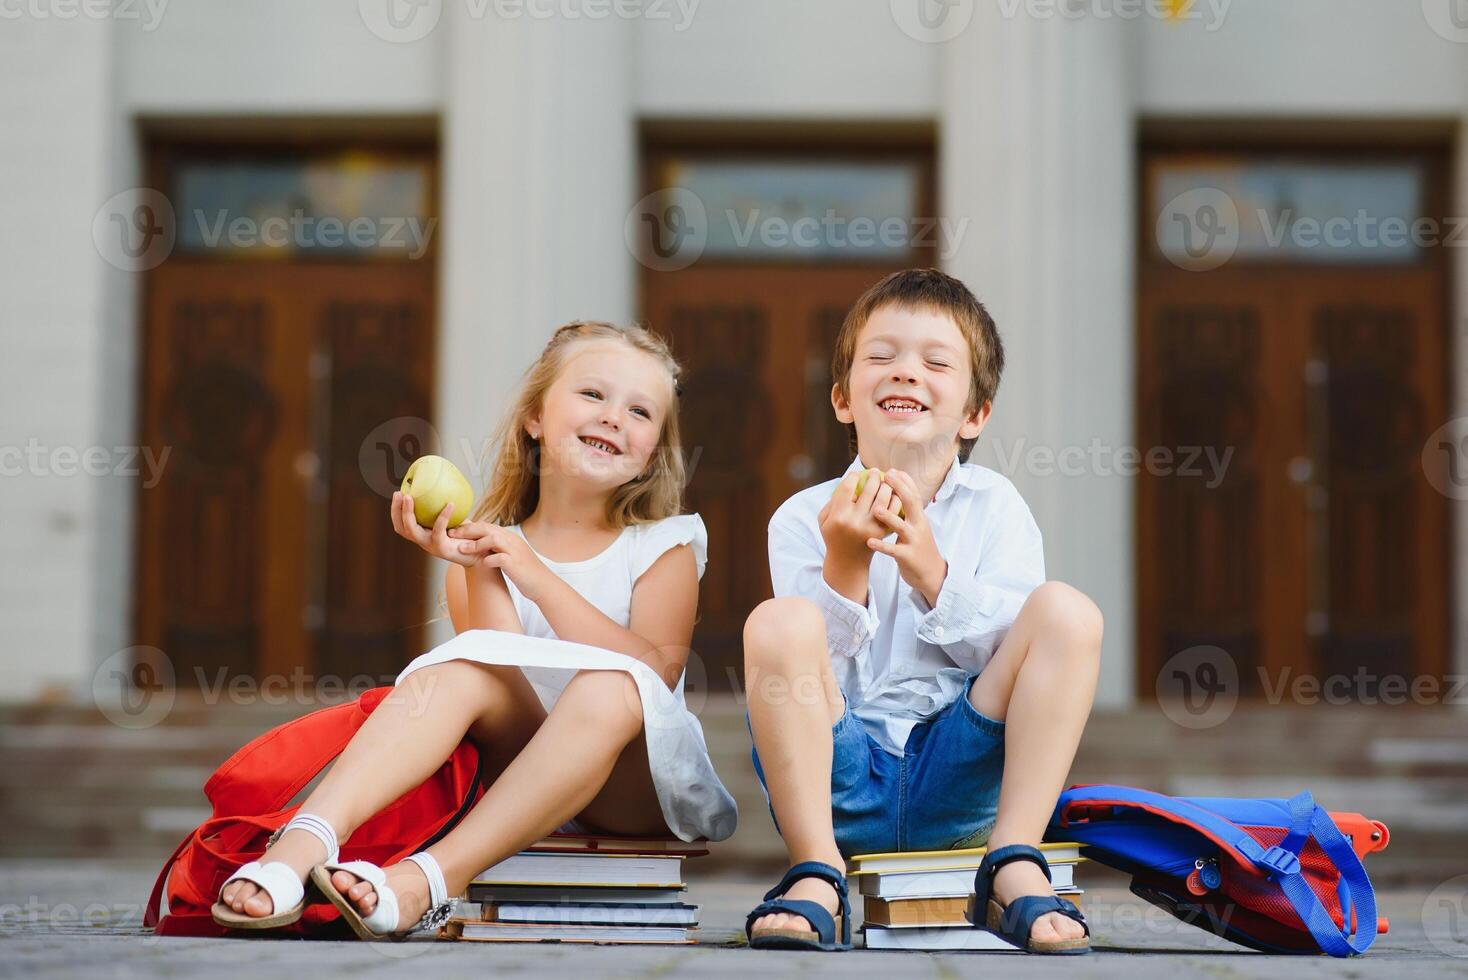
572, 589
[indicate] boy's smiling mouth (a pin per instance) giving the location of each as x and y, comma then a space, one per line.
601, 445
900, 407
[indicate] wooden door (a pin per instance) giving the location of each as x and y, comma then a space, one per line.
755, 343
1322, 550
266, 547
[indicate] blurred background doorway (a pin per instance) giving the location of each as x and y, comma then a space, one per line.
796, 230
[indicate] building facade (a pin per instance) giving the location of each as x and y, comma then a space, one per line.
1042, 132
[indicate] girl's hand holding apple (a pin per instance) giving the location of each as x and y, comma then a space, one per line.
493, 546
434, 540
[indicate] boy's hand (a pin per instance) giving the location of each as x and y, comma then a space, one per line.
919, 561
848, 520
846, 524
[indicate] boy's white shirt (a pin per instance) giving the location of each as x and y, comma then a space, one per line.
898, 660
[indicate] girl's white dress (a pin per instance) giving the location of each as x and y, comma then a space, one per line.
694, 803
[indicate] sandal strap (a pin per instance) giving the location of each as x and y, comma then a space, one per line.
812, 869
384, 918
993, 861
820, 920
1019, 916
276, 879
318, 828
440, 904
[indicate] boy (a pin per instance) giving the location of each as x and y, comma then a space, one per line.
928, 691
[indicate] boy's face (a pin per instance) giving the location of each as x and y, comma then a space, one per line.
909, 388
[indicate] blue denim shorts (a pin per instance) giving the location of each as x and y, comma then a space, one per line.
942, 793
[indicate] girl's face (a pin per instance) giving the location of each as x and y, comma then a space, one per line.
601, 418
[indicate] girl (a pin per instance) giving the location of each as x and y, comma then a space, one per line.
572, 590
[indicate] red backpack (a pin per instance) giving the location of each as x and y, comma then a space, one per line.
251, 793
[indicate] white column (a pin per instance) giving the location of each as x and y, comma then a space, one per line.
1037, 132
538, 164
66, 395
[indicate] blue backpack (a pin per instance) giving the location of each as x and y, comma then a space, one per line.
1274, 875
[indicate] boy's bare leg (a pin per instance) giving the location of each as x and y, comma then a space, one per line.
1040, 683
586, 760
409, 735
793, 703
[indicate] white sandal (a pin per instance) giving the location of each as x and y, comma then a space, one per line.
286, 890
383, 922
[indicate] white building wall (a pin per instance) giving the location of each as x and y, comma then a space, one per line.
538, 124
276, 56
60, 595
1328, 58
773, 59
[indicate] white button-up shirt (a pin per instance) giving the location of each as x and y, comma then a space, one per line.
899, 660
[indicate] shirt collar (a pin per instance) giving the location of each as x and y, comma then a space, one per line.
951, 479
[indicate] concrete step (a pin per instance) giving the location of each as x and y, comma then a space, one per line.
72, 784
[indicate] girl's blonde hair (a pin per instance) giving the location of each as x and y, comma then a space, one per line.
514, 484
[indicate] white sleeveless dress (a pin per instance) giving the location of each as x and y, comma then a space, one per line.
694, 802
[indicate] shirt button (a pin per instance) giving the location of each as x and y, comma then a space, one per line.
938, 632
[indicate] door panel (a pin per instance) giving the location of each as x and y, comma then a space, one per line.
264, 548
1323, 549
755, 344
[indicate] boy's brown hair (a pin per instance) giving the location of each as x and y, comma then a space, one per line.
927, 289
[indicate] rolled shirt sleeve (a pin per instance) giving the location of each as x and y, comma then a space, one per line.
797, 560
975, 608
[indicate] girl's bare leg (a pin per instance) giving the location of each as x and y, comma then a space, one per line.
587, 759
1040, 683
403, 742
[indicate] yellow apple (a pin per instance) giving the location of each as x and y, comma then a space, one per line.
433, 482
861, 484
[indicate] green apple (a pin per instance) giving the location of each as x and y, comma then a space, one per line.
433, 483
861, 484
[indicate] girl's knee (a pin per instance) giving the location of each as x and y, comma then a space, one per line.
785, 627
606, 699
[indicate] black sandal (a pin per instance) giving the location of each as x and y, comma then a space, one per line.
1013, 922
826, 926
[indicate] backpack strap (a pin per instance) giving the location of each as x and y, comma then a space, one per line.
1358, 898
1222, 831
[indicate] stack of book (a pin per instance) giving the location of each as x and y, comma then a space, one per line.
582, 889
917, 899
